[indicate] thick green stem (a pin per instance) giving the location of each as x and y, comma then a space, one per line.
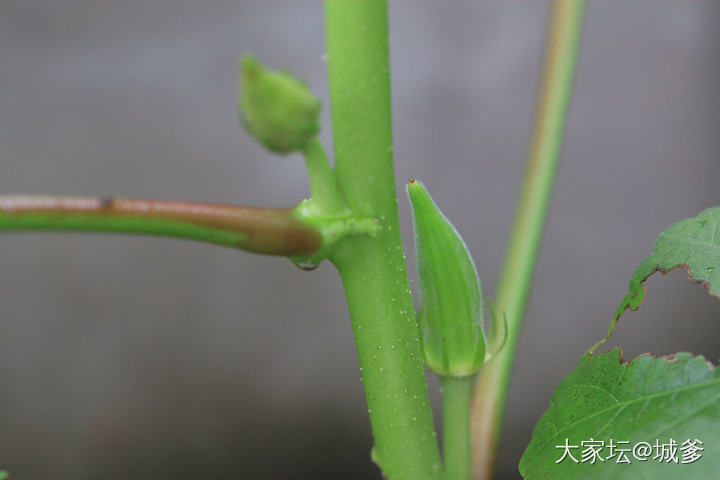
373, 267
516, 276
272, 231
457, 393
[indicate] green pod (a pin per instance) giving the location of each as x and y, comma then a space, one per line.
451, 317
277, 109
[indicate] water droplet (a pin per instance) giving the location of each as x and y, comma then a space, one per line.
379, 347
305, 265
382, 369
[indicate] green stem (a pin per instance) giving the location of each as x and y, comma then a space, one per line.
326, 197
457, 393
272, 231
525, 239
373, 267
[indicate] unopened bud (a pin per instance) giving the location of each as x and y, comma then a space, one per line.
277, 109
451, 317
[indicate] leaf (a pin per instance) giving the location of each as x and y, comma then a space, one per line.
694, 244
650, 398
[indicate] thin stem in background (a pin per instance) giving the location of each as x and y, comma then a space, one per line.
373, 267
272, 231
492, 385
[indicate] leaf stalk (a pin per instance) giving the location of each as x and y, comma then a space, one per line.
270, 231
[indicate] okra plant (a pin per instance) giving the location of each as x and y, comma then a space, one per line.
652, 417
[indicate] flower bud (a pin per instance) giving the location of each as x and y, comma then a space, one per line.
276, 108
451, 317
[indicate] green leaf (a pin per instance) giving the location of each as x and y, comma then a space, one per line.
693, 244
4, 475
651, 398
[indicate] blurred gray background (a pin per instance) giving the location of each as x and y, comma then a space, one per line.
124, 357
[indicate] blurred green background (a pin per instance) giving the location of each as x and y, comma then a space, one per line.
125, 357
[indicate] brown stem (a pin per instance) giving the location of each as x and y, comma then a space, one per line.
271, 231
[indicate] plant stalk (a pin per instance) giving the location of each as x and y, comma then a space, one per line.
325, 194
271, 231
515, 279
457, 394
373, 267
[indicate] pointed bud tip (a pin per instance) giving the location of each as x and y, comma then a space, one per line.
249, 66
414, 185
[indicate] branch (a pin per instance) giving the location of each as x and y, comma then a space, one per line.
271, 231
